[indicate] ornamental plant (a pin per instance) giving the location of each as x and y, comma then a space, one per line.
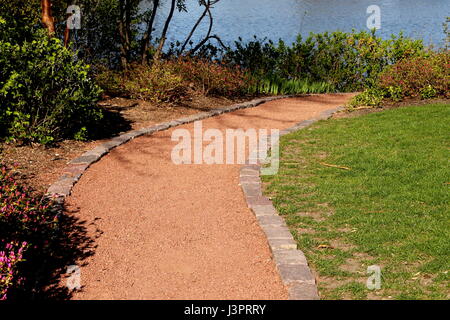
10, 256
27, 227
423, 77
46, 93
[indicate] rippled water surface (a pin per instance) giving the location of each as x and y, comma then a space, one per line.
285, 19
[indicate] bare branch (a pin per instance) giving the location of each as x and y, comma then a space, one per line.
162, 41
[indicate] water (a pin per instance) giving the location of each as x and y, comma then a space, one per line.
275, 19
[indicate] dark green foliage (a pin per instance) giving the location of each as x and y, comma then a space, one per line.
45, 93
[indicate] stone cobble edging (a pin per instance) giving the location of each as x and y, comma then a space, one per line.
290, 262
72, 173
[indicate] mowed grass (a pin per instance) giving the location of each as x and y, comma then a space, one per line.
388, 203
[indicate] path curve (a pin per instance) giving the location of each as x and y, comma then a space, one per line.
181, 232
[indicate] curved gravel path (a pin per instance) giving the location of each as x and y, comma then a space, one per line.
181, 232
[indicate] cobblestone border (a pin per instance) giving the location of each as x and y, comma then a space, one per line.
290, 262
72, 173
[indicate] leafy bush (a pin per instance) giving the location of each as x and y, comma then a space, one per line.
425, 77
346, 61
422, 77
45, 93
20, 18
157, 83
369, 98
27, 226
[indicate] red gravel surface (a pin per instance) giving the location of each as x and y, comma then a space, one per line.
181, 231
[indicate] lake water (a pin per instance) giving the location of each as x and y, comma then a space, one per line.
275, 19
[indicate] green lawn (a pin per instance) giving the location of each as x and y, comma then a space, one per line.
389, 206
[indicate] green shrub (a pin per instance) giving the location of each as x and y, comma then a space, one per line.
369, 98
346, 61
20, 19
46, 94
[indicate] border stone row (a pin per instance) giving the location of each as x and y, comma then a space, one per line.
290, 262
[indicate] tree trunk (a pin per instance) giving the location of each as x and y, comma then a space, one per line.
47, 16
148, 34
125, 32
162, 41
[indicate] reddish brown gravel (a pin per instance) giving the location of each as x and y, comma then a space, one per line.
181, 232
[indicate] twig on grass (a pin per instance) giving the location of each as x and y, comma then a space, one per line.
334, 166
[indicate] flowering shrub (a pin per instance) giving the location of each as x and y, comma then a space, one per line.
26, 227
422, 77
425, 77
9, 258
